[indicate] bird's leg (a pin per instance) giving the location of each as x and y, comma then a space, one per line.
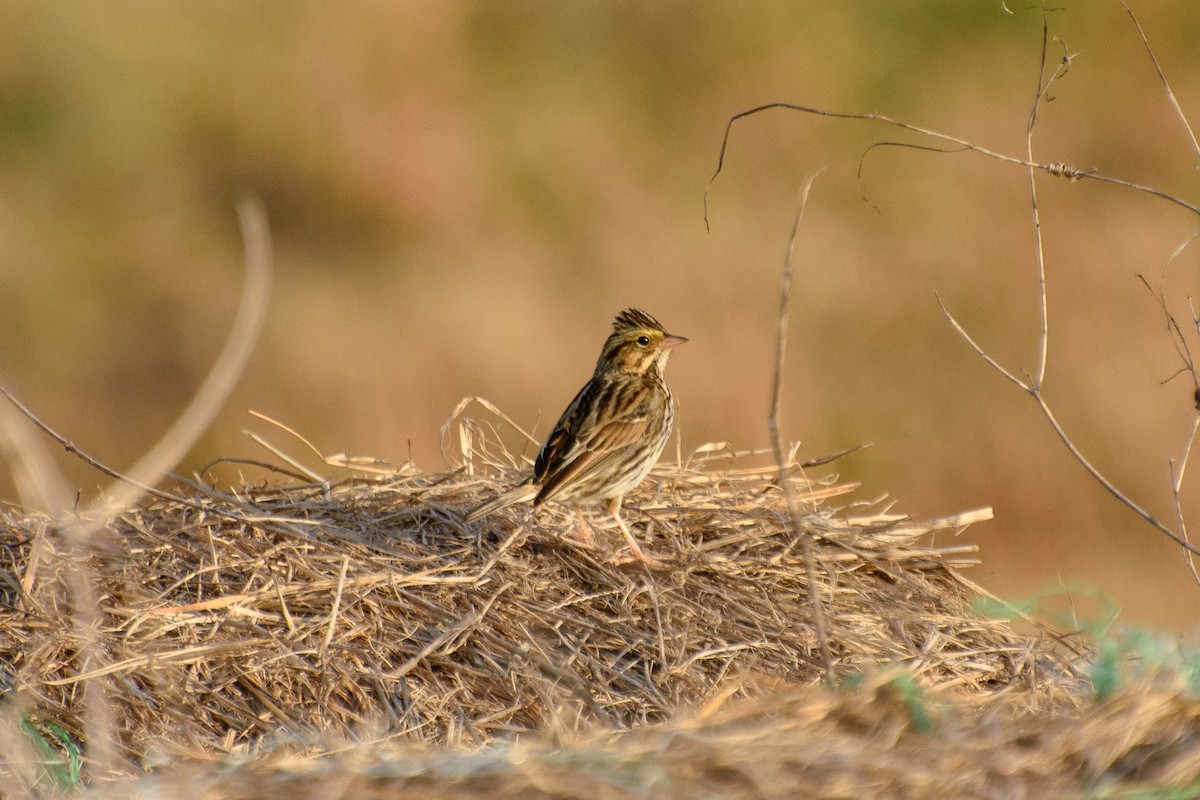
614, 508
585, 532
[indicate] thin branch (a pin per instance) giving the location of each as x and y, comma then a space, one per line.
1177, 486
1178, 339
1043, 87
862, 162
249, 462
800, 536
82, 455
1162, 77
284, 457
1034, 385
40, 483
1177, 477
116, 475
1056, 168
1108, 485
979, 351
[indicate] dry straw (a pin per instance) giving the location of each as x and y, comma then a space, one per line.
863, 742
364, 606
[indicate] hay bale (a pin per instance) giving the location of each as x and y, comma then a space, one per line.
305, 609
879, 740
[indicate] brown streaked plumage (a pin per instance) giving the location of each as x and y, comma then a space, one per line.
614, 430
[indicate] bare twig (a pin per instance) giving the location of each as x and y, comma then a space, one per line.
800, 536
1034, 386
1108, 485
1176, 486
1043, 87
1178, 468
1056, 168
118, 476
295, 464
1163, 78
1036, 393
40, 483
221, 379
1032, 383
74, 450
979, 351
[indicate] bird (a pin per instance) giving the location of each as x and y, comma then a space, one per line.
611, 434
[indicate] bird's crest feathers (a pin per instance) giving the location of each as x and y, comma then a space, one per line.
632, 319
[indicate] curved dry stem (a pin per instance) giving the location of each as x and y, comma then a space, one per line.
465, 446
799, 535
1056, 168
221, 379
105, 469
862, 162
47, 484
312, 448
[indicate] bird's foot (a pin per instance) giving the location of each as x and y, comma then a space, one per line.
639, 557
585, 530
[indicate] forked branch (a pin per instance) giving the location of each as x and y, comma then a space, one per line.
1032, 383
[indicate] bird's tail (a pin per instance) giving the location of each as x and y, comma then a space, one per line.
521, 493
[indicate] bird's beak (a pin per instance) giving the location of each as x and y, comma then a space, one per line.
671, 341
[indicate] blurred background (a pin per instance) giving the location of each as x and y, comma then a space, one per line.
463, 194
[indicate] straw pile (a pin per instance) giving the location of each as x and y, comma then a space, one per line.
866, 743
233, 620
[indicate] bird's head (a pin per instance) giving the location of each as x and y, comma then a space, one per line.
638, 344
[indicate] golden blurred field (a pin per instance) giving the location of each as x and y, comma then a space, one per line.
462, 195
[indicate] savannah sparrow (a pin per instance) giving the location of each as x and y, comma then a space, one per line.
613, 431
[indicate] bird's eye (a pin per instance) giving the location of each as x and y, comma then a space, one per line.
643, 340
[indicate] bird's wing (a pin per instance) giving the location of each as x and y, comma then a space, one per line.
584, 441
561, 441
